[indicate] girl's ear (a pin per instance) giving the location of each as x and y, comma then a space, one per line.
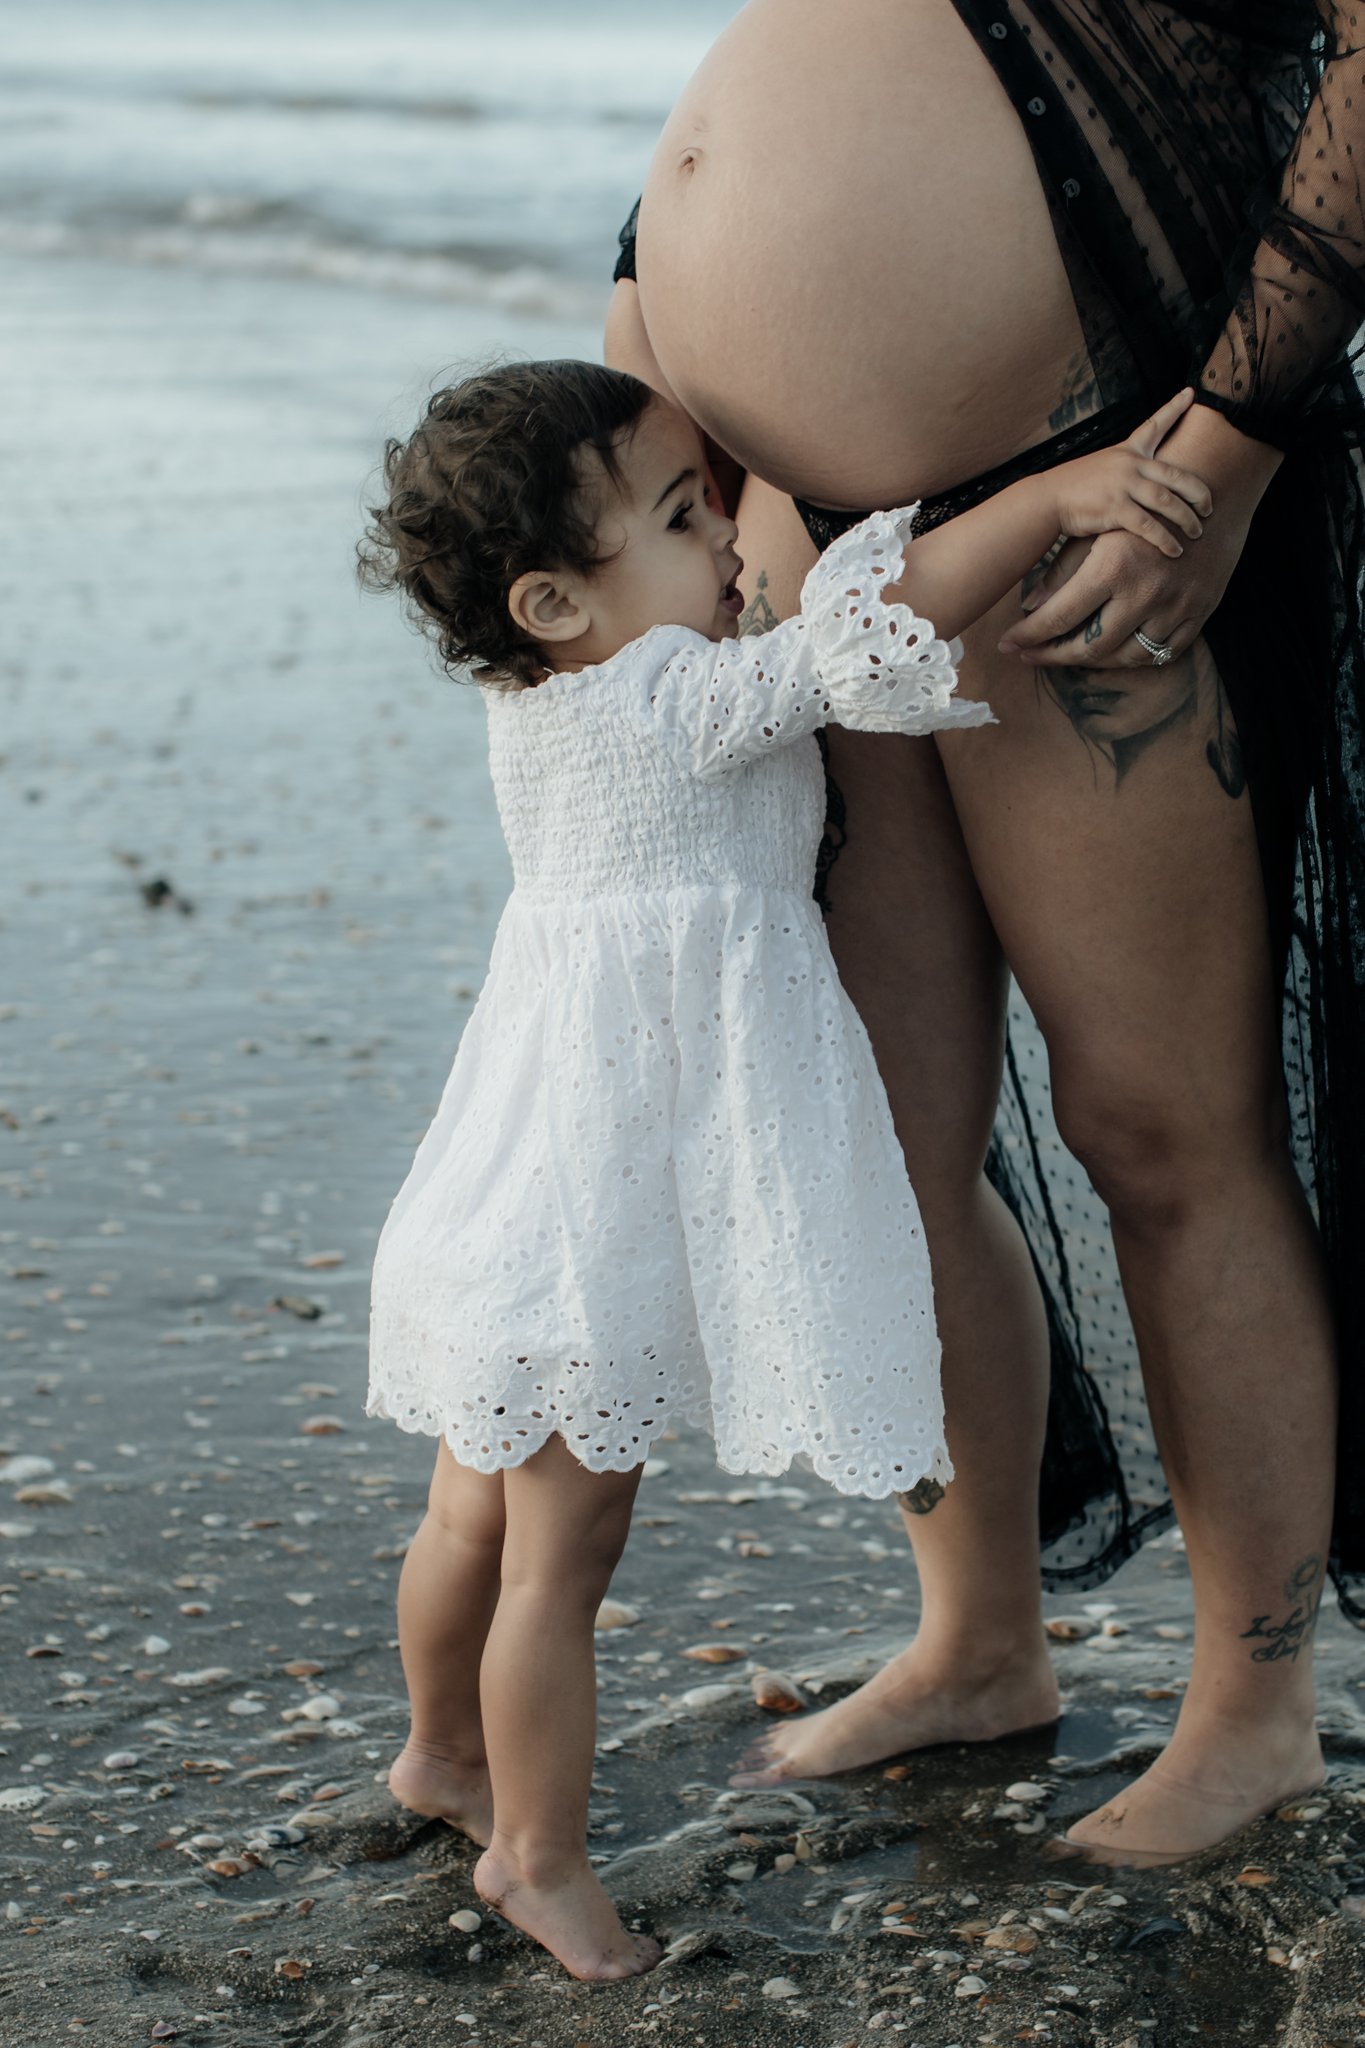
548, 608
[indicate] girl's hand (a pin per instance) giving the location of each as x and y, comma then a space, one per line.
1084, 612
1123, 489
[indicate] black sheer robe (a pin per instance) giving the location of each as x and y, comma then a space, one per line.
1203, 166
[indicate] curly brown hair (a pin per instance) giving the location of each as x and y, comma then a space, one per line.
490, 485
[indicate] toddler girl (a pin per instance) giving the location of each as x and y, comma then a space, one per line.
662, 1183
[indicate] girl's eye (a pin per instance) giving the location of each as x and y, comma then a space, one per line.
678, 523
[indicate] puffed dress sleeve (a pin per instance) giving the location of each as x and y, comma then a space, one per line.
848, 658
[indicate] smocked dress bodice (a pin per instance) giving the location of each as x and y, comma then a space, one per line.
593, 805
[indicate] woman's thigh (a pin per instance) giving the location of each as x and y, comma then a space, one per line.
907, 925
1112, 838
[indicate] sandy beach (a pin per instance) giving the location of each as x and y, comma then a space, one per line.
252, 872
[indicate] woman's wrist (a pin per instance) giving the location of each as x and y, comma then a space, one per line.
1236, 468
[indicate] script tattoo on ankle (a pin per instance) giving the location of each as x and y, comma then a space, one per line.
758, 615
1277, 1640
922, 1499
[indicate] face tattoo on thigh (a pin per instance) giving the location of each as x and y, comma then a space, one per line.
1121, 716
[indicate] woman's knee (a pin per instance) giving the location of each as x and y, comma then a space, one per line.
1156, 1154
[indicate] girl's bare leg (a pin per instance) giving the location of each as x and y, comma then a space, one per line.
918, 956
446, 1596
566, 1528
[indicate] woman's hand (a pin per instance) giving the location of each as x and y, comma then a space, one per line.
1096, 595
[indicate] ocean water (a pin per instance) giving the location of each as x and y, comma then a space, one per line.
474, 152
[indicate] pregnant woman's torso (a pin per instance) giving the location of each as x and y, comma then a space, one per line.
849, 185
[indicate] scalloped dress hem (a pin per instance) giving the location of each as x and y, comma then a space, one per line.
834, 1471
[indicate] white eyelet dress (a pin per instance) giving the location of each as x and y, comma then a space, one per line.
663, 1182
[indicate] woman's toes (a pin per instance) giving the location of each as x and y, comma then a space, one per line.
762, 1763
754, 1780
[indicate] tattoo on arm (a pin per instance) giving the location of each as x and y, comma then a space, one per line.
922, 1499
758, 615
1277, 1640
1040, 569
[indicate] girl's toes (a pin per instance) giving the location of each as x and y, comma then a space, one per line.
647, 1955
642, 1953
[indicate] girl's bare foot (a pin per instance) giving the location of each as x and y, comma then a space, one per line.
1201, 1789
921, 1697
430, 1781
565, 1909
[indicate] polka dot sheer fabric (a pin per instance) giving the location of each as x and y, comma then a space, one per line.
1210, 157
662, 1183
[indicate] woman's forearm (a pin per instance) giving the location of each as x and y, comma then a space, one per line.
1235, 468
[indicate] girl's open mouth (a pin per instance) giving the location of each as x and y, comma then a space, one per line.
732, 600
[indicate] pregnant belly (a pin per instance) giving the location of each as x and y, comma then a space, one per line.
847, 268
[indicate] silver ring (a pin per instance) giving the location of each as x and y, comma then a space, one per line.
1158, 649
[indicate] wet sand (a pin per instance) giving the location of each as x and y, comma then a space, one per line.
252, 872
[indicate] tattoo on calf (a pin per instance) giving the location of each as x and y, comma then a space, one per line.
1278, 1640
758, 615
922, 1499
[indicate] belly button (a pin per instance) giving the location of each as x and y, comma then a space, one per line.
689, 159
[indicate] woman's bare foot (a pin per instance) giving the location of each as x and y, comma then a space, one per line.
921, 1697
1200, 1790
431, 1782
565, 1909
